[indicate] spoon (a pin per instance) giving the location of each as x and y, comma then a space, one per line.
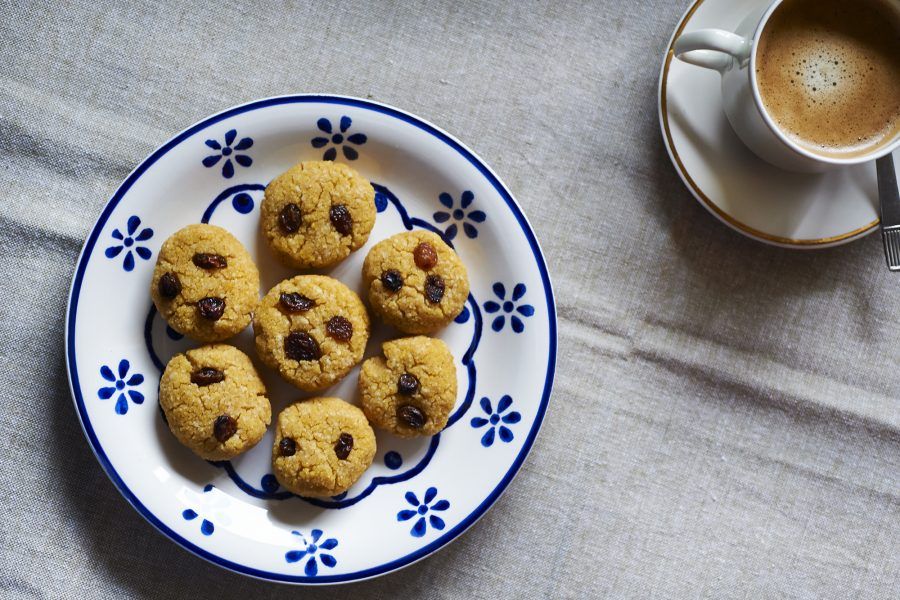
889, 197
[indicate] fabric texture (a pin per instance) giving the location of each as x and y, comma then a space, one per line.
725, 421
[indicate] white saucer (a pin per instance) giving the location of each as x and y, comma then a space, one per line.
744, 192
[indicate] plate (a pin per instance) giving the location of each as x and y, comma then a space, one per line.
763, 202
419, 494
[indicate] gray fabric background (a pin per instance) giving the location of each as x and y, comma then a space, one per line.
725, 421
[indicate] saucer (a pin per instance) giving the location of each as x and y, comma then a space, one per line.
763, 202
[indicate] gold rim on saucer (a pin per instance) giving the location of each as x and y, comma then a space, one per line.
698, 193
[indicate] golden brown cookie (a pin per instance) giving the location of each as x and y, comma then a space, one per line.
214, 401
415, 281
312, 329
205, 284
412, 389
322, 447
316, 213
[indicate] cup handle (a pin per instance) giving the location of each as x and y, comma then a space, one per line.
712, 48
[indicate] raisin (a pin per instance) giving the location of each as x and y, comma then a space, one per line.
301, 346
341, 219
169, 285
407, 384
425, 256
207, 376
207, 261
434, 289
339, 328
392, 280
224, 427
211, 308
290, 218
343, 446
411, 416
295, 303
287, 447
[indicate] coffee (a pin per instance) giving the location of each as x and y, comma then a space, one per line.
828, 72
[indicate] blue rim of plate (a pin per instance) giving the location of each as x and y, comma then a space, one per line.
72, 311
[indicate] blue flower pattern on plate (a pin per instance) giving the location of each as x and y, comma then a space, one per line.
227, 151
338, 139
381, 202
421, 509
129, 242
313, 550
460, 215
206, 526
121, 385
507, 307
393, 460
269, 483
242, 203
496, 421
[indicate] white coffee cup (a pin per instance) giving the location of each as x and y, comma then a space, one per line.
733, 55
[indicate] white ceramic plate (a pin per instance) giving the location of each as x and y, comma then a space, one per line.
419, 494
763, 202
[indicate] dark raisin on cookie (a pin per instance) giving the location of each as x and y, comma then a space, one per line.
211, 309
207, 376
339, 328
407, 384
434, 289
392, 280
341, 219
208, 261
290, 218
425, 256
301, 346
411, 416
287, 447
343, 446
224, 427
294, 303
169, 285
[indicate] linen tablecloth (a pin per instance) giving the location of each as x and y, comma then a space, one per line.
725, 421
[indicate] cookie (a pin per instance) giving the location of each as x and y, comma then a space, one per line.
214, 401
316, 213
412, 389
415, 281
312, 329
205, 284
322, 447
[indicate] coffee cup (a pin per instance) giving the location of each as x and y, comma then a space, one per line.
809, 85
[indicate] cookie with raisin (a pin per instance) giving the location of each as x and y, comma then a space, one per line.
312, 329
316, 213
415, 282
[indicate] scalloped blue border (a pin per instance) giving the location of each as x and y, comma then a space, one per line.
72, 314
467, 360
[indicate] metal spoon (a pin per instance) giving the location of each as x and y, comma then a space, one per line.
889, 197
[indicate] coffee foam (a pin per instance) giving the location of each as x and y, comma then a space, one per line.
829, 74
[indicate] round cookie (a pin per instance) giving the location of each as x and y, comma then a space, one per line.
412, 389
415, 281
214, 401
322, 447
205, 284
312, 329
316, 213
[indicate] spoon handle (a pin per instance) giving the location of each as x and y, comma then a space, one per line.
889, 197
